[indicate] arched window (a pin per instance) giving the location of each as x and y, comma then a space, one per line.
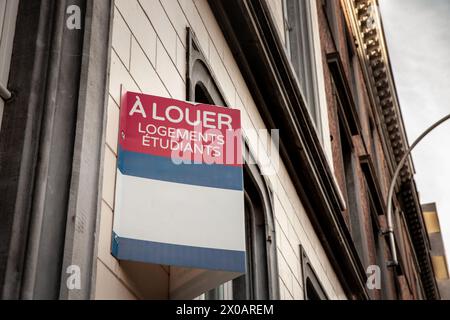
261, 278
260, 281
313, 289
311, 292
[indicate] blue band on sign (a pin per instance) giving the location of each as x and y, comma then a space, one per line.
164, 169
178, 255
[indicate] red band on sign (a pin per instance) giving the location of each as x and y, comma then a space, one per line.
191, 133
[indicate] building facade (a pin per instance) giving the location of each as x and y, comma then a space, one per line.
438, 256
316, 71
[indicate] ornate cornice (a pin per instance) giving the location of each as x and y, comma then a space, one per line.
374, 54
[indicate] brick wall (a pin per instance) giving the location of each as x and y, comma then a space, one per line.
364, 143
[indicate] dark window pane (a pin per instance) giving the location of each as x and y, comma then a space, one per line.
311, 293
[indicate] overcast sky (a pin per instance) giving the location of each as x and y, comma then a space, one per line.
418, 40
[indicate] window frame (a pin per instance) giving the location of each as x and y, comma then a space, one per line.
351, 181
300, 41
262, 191
198, 72
309, 276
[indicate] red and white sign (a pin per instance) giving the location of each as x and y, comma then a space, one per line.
180, 130
179, 190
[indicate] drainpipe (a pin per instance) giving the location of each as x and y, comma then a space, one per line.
390, 223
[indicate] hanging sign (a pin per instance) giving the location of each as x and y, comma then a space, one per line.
179, 190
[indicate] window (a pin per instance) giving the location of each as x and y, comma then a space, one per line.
259, 282
373, 146
313, 289
8, 15
351, 184
353, 63
261, 279
300, 49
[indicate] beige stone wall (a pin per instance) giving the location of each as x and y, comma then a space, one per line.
148, 55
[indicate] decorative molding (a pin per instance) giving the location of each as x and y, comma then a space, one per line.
373, 51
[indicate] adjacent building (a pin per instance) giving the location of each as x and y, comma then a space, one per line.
316, 71
438, 256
